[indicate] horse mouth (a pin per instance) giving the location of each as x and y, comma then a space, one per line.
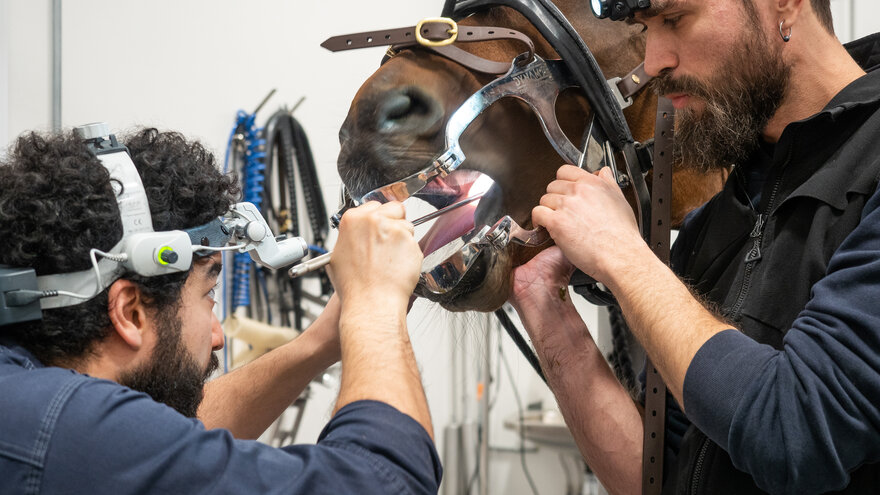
461, 223
369, 160
441, 192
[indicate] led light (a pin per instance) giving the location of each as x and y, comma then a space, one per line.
167, 256
617, 10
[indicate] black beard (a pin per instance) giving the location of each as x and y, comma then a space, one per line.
739, 101
172, 376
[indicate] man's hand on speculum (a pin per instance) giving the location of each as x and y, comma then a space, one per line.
545, 275
590, 220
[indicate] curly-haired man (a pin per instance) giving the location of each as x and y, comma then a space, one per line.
86, 388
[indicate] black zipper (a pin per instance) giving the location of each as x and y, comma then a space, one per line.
751, 258
698, 466
754, 254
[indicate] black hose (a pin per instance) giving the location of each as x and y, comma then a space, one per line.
288, 146
315, 208
280, 148
520, 342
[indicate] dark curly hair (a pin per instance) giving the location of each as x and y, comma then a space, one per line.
57, 203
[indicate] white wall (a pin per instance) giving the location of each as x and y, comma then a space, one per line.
4, 73
854, 19
190, 64
27, 34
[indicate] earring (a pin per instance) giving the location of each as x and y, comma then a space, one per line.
785, 37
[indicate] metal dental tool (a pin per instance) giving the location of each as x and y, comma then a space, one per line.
313, 264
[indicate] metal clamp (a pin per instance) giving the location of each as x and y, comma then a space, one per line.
615, 90
443, 269
452, 31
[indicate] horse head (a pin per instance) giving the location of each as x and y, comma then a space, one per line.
397, 120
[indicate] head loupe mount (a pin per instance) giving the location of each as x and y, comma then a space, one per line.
617, 10
141, 250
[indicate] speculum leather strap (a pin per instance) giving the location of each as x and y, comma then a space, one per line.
634, 82
655, 389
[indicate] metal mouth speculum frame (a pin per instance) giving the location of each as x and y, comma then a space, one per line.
538, 83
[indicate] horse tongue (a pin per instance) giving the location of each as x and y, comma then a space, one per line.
448, 227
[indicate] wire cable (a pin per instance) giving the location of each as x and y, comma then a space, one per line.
24, 297
520, 342
196, 248
522, 437
494, 400
252, 177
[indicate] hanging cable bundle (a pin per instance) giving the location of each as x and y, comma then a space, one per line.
289, 152
278, 176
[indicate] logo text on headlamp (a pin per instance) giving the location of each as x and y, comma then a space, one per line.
617, 10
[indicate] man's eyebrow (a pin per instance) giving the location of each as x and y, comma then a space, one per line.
656, 8
214, 270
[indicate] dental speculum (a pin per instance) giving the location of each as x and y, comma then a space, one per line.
538, 83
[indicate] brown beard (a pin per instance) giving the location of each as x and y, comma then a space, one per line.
739, 101
172, 376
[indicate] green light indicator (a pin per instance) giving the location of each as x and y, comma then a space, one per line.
166, 256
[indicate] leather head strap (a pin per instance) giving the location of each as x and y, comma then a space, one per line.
436, 32
404, 38
634, 82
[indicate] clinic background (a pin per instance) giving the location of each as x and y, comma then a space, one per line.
189, 65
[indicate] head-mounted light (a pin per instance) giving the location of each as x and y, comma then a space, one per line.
617, 10
141, 250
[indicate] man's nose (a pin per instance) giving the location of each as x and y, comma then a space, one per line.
216, 333
660, 54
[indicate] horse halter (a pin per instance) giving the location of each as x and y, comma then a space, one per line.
530, 78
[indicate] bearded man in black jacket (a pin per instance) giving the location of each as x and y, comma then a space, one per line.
767, 332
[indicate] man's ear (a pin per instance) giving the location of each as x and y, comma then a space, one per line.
126, 310
788, 11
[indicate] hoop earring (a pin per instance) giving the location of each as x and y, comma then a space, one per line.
785, 37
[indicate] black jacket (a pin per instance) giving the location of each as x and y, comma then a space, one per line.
758, 263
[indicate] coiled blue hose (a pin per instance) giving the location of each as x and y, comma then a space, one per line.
252, 177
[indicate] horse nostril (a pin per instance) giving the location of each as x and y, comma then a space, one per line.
395, 108
407, 110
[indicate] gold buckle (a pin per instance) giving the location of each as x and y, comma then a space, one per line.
452, 31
